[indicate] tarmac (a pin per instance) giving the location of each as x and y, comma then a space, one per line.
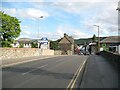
99, 73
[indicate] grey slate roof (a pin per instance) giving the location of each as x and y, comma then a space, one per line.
24, 40
111, 39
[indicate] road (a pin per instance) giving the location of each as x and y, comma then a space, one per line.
100, 73
57, 72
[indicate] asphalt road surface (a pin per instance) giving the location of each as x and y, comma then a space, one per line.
57, 72
100, 73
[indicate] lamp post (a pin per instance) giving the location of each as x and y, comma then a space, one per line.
38, 30
98, 37
118, 9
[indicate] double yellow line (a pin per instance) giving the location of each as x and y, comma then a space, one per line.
74, 79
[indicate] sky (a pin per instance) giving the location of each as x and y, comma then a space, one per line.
73, 17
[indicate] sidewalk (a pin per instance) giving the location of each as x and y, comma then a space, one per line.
9, 62
99, 73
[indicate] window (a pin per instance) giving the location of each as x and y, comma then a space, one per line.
14, 44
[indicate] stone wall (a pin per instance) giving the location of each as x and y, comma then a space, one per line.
7, 53
47, 52
70, 52
112, 57
58, 52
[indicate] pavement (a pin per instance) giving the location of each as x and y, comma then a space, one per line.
99, 73
56, 72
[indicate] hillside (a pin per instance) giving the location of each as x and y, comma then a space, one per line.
86, 40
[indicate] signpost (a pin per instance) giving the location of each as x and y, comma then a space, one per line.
44, 43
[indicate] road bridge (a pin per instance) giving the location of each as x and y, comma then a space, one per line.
76, 71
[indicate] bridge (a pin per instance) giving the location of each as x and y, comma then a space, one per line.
68, 72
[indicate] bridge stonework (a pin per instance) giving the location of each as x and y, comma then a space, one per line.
12, 53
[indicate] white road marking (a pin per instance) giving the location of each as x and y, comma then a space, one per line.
42, 66
34, 69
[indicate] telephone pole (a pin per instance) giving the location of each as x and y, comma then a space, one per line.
98, 37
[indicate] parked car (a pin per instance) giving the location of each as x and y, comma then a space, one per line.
85, 52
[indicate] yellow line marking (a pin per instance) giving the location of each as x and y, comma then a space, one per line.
74, 79
77, 75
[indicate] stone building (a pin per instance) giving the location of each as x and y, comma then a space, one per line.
25, 42
112, 43
66, 45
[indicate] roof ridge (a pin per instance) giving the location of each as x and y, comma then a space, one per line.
68, 39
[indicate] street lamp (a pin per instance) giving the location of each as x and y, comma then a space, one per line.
38, 30
118, 9
98, 37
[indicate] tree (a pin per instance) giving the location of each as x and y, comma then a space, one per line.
21, 45
105, 48
54, 45
34, 45
9, 29
94, 38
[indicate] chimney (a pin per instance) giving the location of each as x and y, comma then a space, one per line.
65, 34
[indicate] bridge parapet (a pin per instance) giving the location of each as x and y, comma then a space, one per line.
112, 57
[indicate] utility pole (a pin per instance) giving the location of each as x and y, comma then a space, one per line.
98, 37
118, 9
38, 30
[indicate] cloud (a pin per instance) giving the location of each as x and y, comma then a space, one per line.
49, 35
25, 34
71, 31
25, 31
92, 1
60, 1
71, 7
59, 33
11, 11
24, 27
30, 13
78, 34
101, 12
106, 18
22, 0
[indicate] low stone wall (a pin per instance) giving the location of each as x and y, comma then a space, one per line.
70, 52
112, 57
47, 52
58, 52
7, 53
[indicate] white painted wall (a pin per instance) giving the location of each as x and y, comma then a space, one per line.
15, 45
27, 45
